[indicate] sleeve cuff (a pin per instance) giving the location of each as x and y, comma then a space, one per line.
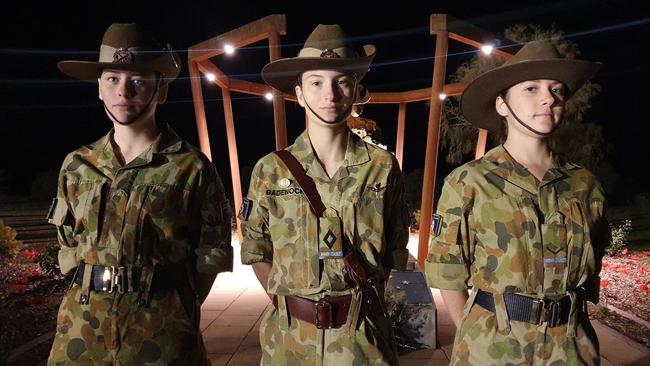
67, 259
446, 276
214, 260
254, 251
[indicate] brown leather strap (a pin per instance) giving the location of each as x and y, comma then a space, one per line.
328, 312
304, 181
354, 272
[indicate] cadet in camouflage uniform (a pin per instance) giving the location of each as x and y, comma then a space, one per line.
142, 220
521, 227
362, 188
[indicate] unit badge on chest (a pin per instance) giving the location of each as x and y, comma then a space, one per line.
330, 240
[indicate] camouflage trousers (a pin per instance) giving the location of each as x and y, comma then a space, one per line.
485, 340
367, 340
113, 330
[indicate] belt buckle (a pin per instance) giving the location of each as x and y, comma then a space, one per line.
536, 311
112, 279
107, 279
325, 306
552, 313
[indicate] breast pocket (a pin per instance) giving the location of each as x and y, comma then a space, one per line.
86, 199
162, 225
580, 246
294, 232
369, 212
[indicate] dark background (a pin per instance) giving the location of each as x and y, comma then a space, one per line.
44, 115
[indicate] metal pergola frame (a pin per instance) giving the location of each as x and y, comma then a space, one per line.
271, 27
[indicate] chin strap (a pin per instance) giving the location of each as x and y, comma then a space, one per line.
523, 123
145, 109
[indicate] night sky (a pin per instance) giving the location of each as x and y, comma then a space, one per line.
45, 115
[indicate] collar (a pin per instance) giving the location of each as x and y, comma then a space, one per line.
356, 153
501, 163
102, 153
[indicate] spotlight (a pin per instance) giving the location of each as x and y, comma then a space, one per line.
487, 49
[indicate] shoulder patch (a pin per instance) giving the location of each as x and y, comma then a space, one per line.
436, 224
245, 210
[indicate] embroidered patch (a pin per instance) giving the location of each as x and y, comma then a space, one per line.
283, 192
246, 206
556, 260
330, 243
436, 224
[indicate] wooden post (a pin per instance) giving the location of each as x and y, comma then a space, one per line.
199, 110
480, 143
232, 154
433, 135
279, 116
399, 145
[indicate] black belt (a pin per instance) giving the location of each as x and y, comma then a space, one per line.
109, 279
527, 309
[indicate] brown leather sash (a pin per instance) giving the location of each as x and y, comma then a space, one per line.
330, 311
304, 181
326, 313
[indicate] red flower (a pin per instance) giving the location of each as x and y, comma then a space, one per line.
637, 280
616, 267
605, 265
644, 288
17, 289
624, 251
22, 280
30, 253
642, 270
34, 273
635, 257
604, 283
630, 262
625, 271
646, 253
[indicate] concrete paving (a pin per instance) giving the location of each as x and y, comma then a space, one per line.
231, 316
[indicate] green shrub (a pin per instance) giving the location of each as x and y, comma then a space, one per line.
619, 237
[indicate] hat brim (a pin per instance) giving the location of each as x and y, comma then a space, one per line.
90, 71
283, 74
477, 103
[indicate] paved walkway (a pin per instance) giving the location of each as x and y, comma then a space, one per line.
231, 315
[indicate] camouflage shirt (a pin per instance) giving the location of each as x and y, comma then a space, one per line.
366, 193
500, 229
166, 206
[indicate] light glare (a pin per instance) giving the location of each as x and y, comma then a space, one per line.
210, 77
487, 49
229, 49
